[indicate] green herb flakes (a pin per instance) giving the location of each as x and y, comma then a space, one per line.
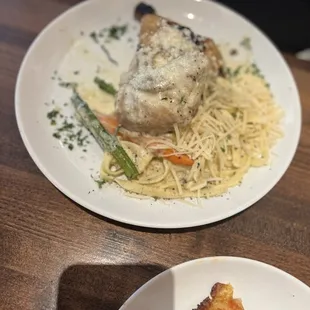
246, 43
237, 71
67, 133
99, 183
66, 126
256, 71
116, 32
233, 52
52, 114
93, 35
106, 87
68, 85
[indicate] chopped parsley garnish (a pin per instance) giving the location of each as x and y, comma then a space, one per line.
255, 71
67, 85
67, 132
233, 52
106, 87
108, 55
236, 71
93, 35
52, 114
80, 140
231, 73
99, 183
246, 43
116, 32
227, 71
66, 126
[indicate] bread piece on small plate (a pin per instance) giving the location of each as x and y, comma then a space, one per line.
221, 298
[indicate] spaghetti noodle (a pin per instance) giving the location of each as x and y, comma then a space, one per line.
234, 129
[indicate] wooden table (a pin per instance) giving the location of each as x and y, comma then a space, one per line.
56, 255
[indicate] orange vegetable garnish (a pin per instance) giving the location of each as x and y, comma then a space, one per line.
183, 159
111, 123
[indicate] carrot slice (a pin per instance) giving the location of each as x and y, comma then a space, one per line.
109, 122
183, 159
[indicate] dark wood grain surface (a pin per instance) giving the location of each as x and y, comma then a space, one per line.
56, 255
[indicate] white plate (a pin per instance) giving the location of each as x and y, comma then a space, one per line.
260, 286
71, 174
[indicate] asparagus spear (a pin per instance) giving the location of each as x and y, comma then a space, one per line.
105, 140
103, 85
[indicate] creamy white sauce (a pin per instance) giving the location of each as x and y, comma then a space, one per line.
96, 99
241, 57
84, 61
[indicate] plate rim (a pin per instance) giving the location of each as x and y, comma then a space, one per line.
141, 223
218, 259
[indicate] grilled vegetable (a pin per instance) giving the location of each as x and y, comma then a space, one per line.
105, 140
106, 87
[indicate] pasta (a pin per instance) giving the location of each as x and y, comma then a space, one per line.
234, 129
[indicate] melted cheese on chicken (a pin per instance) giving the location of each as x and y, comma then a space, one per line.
165, 83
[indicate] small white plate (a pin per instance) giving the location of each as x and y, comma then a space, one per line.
70, 171
183, 287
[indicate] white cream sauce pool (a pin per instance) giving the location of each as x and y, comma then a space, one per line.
86, 60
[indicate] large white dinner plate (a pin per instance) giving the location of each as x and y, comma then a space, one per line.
260, 286
70, 171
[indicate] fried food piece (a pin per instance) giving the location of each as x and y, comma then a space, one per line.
166, 81
168, 77
221, 299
